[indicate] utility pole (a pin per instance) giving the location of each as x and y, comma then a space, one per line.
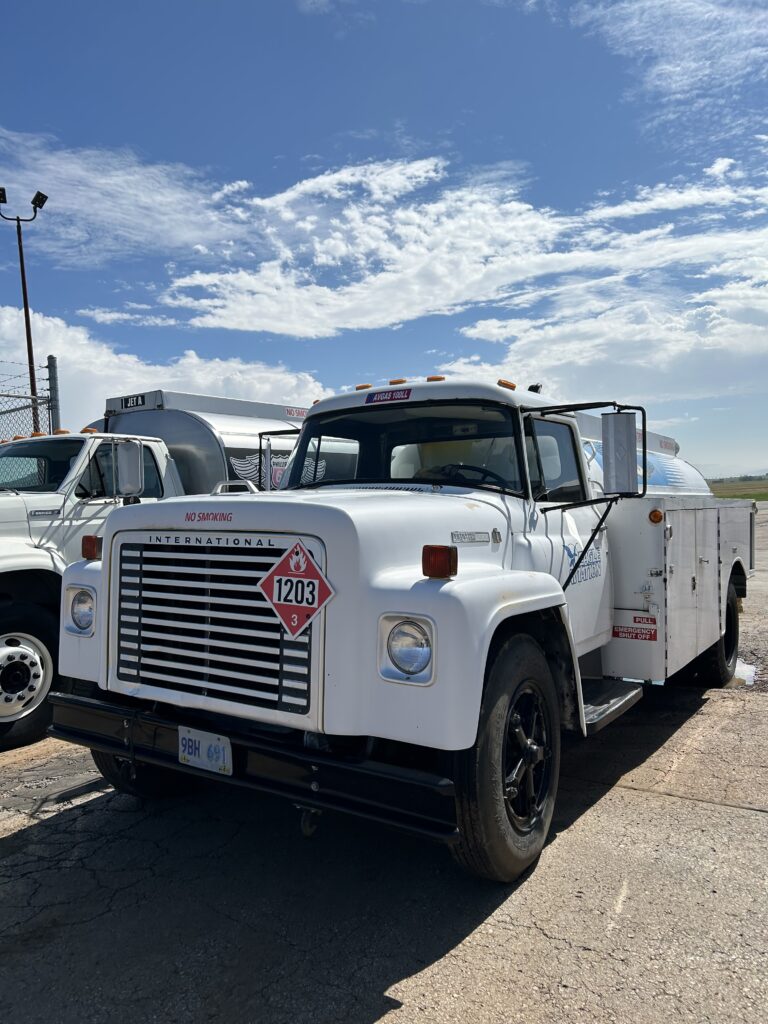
38, 202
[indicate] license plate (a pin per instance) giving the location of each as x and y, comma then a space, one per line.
205, 750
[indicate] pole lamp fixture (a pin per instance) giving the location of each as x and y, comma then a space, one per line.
38, 202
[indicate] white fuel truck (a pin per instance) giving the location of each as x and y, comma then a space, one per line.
58, 488
449, 576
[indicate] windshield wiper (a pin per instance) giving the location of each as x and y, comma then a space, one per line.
6, 488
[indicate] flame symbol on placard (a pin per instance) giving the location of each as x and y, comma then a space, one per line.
297, 561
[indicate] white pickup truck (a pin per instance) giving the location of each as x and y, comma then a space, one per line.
58, 488
449, 576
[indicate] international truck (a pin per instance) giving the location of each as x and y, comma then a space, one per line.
55, 489
450, 575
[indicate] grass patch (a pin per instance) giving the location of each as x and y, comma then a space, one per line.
754, 490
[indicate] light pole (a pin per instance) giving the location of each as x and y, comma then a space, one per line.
38, 202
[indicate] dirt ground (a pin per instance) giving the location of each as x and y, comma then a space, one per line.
753, 645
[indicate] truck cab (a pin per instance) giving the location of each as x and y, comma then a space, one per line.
402, 630
54, 490
59, 488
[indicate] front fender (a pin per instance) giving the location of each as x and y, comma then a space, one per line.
466, 612
18, 555
81, 656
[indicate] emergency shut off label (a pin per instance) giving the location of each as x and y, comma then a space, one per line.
643, 628
296, 589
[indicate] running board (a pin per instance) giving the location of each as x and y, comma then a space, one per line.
606, 699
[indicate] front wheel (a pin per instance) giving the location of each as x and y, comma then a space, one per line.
29, 641
506, 783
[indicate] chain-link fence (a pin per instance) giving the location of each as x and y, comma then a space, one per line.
20, 413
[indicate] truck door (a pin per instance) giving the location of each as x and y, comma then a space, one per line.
558, 537
94, 497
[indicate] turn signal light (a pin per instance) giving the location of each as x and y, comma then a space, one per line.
89, 430
434, 377
38, 433
91, 547
506, 384
439, 561
656, 516
362, 387
398, 380
19, 437
60, 430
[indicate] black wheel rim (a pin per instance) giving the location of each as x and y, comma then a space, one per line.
527, 757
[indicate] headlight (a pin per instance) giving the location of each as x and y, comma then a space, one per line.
409, 647
81, 609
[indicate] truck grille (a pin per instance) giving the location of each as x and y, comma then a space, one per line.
193, 620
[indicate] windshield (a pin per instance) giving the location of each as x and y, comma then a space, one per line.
465, 444
37, 465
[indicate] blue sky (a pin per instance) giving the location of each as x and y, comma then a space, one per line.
282, 198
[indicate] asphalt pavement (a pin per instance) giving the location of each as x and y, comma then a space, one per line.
648, 904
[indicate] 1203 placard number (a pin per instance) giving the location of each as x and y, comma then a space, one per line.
295, 590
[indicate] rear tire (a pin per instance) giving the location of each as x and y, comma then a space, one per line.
146, 781
37, 628
506, 783
717, 665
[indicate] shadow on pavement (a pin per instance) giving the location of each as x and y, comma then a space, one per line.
591, 767
216, 909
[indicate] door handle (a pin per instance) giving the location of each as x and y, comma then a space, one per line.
704, 560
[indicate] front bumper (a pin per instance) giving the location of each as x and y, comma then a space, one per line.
403, 797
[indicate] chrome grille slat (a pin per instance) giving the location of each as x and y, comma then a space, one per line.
202, 642
261, 602
194, 553
131, 621
268, 619
190, 618
130, 585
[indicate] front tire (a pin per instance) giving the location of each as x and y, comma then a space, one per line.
146, 781
25, 712
506, 783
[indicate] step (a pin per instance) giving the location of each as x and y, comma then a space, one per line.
606, 699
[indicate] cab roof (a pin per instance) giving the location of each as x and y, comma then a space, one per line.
455, 388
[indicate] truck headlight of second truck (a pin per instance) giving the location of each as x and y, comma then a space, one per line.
82, 610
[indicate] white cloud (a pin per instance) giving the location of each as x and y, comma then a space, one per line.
231, 189
720, 167
108, 203
314, 6
383, 181
692, 54
91, 371
116, 316
346, 261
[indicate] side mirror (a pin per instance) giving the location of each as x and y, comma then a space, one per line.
130, 469
620, 474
